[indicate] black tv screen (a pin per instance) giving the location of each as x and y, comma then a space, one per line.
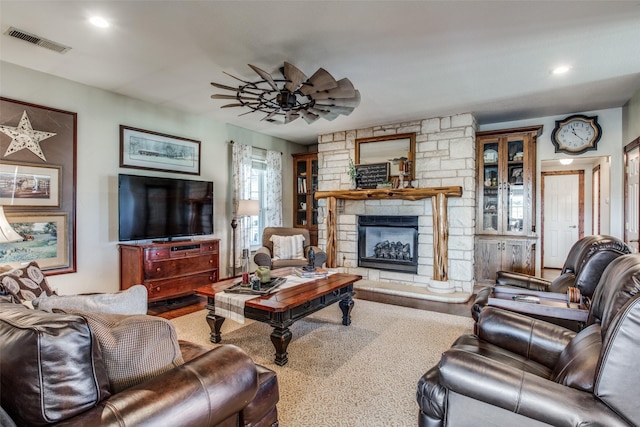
163, 208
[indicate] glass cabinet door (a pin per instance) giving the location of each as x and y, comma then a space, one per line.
514, 186
301, 193
314, 187
490, 201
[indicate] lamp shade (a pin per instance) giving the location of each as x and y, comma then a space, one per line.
7, 233
248, 208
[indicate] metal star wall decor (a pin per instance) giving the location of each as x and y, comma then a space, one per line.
25, 137
295, 95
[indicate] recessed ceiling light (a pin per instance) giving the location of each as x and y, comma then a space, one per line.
99, 21
566, 161
561, 69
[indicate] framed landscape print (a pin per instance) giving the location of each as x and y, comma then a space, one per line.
29, 185
38, 160
143, 149
44, 240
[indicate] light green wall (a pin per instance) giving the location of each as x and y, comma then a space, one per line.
99, 115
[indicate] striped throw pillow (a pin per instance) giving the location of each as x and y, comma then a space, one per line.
288, 247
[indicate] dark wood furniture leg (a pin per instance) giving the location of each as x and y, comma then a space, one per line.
346, 305
281, 337
215, 322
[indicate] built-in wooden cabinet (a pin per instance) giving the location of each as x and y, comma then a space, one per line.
305, 184
169, 269
506, 183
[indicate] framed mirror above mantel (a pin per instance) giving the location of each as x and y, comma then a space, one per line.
397, 150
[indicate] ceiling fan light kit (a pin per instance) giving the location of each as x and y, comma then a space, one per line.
295, 95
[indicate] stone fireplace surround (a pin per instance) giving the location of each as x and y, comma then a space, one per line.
445, 156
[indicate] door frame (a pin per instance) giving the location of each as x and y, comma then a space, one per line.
580, 174
596, 183
629, 147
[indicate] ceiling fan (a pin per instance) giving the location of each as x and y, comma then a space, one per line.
295, 95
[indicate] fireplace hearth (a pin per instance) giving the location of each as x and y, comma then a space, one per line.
388, 242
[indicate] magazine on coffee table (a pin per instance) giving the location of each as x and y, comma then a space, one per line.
318, 273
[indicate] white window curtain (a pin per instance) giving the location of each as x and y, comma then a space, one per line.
273, 197
241, 170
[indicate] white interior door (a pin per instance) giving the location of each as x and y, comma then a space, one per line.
560, 217
632, 203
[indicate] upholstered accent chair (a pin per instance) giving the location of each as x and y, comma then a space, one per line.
582, 269
287, 247
520, 371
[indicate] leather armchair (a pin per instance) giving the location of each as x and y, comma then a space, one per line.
264, 256
517, 370
56, 356
583, 267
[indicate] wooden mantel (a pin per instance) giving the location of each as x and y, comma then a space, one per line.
391, 193
438, 196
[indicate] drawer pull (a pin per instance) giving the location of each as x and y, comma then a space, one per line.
157, 288
158, 269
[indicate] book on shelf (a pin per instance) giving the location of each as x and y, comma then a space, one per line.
318, 273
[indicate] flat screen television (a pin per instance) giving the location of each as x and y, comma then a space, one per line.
163, 208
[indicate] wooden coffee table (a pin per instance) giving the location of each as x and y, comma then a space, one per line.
283, 307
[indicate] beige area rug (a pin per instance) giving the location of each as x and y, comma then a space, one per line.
359, 375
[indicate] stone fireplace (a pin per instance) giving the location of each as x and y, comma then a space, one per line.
388, 242
444, 156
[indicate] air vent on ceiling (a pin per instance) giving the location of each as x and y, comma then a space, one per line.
37, 40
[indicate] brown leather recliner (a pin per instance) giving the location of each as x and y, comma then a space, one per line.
264, 256
52, 373
583, 267
517, 370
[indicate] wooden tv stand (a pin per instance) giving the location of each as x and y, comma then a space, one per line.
169, 269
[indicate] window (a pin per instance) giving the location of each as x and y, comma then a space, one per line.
258, 189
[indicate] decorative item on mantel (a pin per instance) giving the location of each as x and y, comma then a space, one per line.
353, 174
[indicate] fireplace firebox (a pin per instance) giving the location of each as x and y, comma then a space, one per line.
388, 242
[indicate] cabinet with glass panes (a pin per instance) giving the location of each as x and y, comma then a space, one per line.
506, 161
305, 183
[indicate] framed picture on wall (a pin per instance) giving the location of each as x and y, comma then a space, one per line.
29, 185
143, 149
44, 240
38, 150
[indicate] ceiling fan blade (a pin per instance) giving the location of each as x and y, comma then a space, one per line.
345, 89
241, 97
289, 117
265, 76
268, 116
225, 87
341, 102
294, 75
308, 116
240, 105
319, 81
337, 109
239, 79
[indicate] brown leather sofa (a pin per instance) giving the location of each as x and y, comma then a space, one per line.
264, 256
582, 269
52, 372
521, 371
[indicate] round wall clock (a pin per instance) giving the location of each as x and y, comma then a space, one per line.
576, 134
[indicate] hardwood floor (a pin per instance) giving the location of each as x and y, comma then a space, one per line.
177, 307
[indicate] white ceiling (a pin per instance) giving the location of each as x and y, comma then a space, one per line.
409, 59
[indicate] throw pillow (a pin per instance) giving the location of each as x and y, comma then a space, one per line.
51, 366
26, 283
134, 348
288, 247
130, 301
